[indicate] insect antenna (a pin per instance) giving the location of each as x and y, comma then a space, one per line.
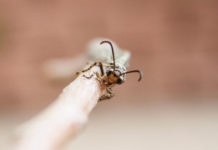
132, 71
112, 49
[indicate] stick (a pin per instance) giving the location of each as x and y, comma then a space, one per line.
63, 119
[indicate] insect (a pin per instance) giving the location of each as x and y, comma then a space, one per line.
115, 68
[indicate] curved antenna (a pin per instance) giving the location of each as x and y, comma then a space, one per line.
112, 49
132, 71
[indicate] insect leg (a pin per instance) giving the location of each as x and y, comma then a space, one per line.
94, 64
90, 67
88, 77
98, 76
101, 68
108, 94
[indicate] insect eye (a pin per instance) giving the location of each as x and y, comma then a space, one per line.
109, 72
119, 81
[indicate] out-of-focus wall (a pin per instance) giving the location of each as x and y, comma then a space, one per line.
174, 43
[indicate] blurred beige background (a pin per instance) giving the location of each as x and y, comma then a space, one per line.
174, 43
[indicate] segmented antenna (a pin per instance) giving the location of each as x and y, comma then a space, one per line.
112, 49
132, 71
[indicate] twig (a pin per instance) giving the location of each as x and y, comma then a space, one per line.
63, 119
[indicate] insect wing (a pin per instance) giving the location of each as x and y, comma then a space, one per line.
123, 58
102, 53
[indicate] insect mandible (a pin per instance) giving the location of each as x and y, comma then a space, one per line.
115, 69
